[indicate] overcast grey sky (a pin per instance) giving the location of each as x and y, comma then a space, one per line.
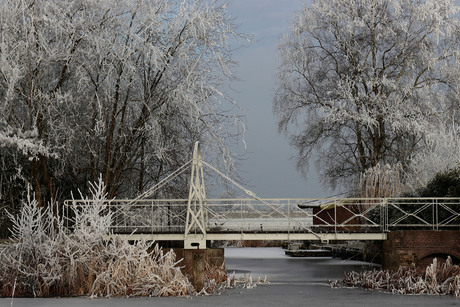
268, 169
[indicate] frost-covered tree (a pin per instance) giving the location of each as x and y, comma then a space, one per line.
438, 156
123, 88
362, 82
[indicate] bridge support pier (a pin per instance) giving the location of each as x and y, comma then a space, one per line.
194, 261
195, 241
420, 247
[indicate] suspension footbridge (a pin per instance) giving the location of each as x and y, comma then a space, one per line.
198, 219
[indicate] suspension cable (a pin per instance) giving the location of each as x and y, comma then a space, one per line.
162, 183
253, 195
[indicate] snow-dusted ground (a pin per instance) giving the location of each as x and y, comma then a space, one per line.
293, 282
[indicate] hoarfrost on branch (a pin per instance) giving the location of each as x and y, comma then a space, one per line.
123, 88
367, 82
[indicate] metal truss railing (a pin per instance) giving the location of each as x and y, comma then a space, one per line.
141, 216
354, 215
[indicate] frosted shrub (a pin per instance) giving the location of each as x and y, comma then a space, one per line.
33, 261
86, 245
44, 261
92, 219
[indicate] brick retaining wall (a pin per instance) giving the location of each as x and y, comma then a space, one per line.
419, 247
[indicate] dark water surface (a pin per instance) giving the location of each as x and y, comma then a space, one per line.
292, 282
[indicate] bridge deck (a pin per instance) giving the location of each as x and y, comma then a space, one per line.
258, 236
279, 219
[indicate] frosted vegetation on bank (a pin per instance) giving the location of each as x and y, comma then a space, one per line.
439, 278
45, 259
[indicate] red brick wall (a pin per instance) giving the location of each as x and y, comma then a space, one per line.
326, 216
419, 247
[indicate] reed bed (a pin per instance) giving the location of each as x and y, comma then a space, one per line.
437, 279
44, 260
70, 267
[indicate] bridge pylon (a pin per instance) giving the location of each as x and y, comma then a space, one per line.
195, 225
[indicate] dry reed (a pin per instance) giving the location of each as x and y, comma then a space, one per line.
436, 279
44, 260
381, 181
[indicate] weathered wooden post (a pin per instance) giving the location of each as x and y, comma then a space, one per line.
198, 259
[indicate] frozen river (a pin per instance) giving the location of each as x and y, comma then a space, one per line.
293, 282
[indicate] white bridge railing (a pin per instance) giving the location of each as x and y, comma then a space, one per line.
349, 215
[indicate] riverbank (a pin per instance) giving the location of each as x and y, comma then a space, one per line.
292, 282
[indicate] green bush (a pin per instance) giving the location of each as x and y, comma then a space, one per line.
445, 184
